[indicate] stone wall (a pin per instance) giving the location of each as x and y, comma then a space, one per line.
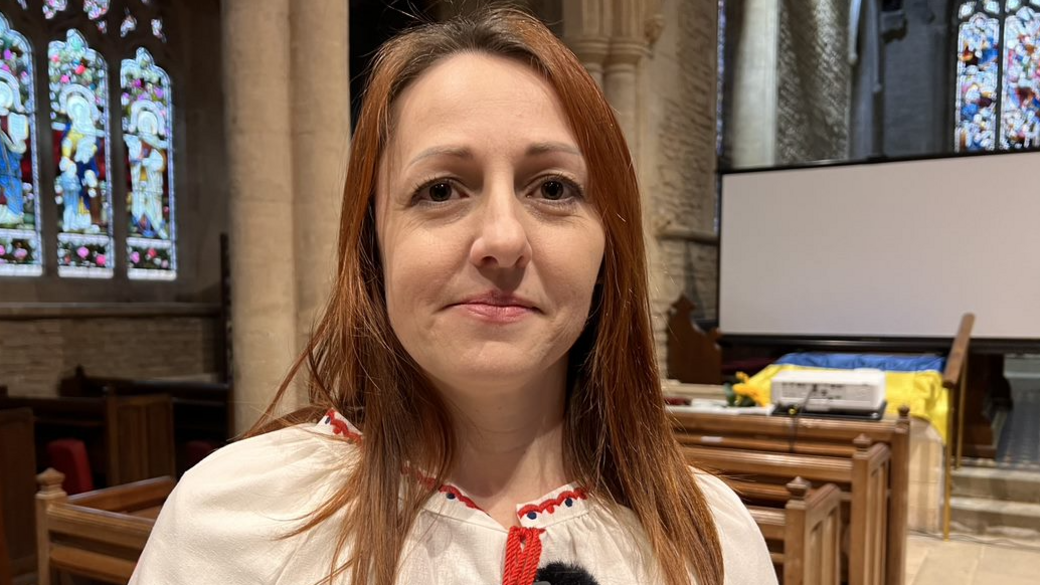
677, 159
813, 81
919, 78
41, 344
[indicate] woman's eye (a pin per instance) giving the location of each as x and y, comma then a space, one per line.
554, 190
440, 191
557, 190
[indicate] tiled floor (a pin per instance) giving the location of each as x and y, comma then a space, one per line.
931, 561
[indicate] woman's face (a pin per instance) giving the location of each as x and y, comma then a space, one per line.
490, 250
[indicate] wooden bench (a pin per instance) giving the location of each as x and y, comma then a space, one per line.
864, 479
99, 534
201, 410
17, 488
6, 572
807, 530
127, 437
822, 450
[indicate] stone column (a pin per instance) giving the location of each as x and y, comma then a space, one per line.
620, 76
257, 105
586, 34
612, 38
753, 124
320, 139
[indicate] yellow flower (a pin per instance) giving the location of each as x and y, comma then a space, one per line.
745, 389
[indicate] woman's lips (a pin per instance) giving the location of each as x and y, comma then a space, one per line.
496, 313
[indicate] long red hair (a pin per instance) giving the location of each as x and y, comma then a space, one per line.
617, 441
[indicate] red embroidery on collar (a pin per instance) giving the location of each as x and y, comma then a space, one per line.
551, 504
454, 494
340, 426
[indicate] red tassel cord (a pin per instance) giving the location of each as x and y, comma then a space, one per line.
523, 552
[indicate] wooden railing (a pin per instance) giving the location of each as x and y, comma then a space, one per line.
98, 535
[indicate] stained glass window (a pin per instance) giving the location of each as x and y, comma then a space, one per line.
79, 231
1020, 107
978, 70
148, 136
998, 75
80, 126
20, 238
95, 9
53, 7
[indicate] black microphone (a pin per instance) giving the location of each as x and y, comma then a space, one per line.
563, 574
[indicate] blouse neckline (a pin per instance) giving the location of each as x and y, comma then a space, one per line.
560, 505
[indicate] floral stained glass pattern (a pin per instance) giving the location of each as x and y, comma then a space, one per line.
978, 43
1020, 106
157, 29
148, 135
95, 9
52, 7
20, 250
81, 138
128, 25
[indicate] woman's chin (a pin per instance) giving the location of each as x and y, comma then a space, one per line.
497, 375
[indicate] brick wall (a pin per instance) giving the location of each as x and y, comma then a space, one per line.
39, 344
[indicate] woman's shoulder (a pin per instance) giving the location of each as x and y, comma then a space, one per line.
284, 456
744, 552
721, 498
233, 514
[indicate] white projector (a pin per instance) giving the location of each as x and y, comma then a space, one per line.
852, 391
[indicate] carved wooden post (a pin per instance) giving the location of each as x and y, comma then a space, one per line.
795, 531
50, 492
898, 499
860, 521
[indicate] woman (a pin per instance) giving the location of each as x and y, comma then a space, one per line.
489, 334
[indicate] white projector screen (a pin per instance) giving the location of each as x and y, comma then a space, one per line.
895, 249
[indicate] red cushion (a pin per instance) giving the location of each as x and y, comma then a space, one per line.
198, 450
69, 456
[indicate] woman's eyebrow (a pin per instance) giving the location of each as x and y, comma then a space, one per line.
550, 147
464, 153
460, 152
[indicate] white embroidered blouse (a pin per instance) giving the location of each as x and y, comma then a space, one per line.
224, 522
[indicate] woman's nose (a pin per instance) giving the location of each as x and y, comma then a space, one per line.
502, 239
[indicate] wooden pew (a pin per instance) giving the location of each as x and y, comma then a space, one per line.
6, 572
807, 530
201, 410
864, 478
127, 437
17, 488
99, 534
792, 438
693, 356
